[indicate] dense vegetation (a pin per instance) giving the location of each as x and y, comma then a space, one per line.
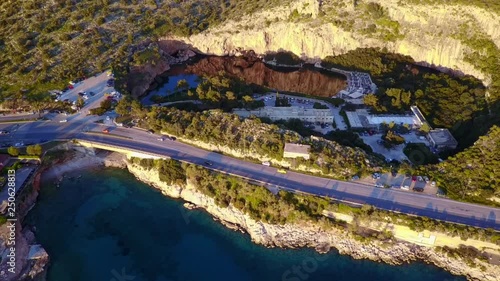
46, 43
218, 91
250, 137
490, 5
472, 175
446, 101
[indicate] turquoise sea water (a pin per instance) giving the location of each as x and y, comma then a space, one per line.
108, 226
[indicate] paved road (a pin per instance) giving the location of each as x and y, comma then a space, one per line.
406, 202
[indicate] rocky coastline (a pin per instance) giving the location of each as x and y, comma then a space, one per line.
269, 235
313, 236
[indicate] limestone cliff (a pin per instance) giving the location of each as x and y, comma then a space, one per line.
310, 235
438, 35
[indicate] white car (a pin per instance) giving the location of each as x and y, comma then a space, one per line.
63, 121
266, 164
107, 118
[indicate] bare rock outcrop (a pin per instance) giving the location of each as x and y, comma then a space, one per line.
428, 33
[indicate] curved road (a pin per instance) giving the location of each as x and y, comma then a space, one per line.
388, 199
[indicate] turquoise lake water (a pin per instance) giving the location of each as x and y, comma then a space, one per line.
108, 226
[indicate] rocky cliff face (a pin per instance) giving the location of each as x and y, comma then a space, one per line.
310, 235
30, 259
428, 33
254, 71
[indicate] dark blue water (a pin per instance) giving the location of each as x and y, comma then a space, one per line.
108, 226
169, 87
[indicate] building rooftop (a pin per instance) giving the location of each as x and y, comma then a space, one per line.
442, 137
297, 148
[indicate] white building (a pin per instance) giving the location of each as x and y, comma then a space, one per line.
362, 119
293, 150
292, 112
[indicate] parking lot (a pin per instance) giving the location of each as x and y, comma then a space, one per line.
402, 182
396, 152
96, 84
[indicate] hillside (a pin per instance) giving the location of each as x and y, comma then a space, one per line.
472, 175
46, 43
463, 36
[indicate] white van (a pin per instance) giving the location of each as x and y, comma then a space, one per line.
266, 164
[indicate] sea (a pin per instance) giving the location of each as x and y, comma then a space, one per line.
104, 225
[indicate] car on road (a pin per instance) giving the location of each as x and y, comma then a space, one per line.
91, 94
106, 131
151, 132
63, 121
161, 139
266, 164
282, 171
4, 132
208, 163
19, 144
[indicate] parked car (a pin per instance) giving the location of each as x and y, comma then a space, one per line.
161, 139
63, 121
106, 131
419, 178
414, 179
418, 189
426, 179
266, 164
282, 171
151, 132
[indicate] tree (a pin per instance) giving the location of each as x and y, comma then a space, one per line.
396, 97
247, 99
123, 106
106, 104
80, 102
371, 100
34, 149
13, 151
230, 96
137, 110
182, 85
425, 128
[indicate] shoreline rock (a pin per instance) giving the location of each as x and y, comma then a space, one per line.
312, 236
